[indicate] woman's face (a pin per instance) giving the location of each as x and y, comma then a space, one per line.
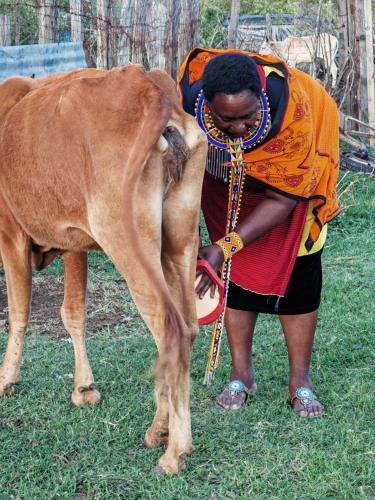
234, 114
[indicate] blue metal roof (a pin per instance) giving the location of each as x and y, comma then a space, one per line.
40, 60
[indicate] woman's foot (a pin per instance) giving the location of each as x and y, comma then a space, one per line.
241, 385
235, 395
304, 402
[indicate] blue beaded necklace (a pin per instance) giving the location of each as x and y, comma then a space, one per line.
218, 139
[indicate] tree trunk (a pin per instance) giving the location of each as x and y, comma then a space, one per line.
233, 24
76, 20
103, 13
47, 21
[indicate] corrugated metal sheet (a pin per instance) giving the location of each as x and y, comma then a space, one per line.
40, 60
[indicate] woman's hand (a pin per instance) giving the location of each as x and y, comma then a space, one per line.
214, 256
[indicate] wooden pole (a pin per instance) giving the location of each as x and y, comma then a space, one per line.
17, 22
233, 23
4, 30
47, 21
103, 8
126, 36
76, 20
343, 30
354, 51
190, 21
141, 32
269, 32
369, 74
171, 41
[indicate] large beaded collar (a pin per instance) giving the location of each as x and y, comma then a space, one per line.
219, 139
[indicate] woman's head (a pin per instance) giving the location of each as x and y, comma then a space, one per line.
231, 87
230, 73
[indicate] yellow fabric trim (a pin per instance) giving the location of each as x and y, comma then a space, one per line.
270, 69
318, 245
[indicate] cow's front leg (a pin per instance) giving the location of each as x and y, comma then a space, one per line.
15, 252
73, 314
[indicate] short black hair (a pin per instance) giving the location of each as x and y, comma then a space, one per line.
230, 73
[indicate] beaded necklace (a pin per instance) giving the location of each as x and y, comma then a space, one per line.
237, 179
217, 157
233, 150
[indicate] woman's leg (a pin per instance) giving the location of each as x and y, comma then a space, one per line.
240, 328
299, 331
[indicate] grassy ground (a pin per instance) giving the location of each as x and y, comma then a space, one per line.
50, 449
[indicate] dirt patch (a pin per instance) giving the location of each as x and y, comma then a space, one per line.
108, 304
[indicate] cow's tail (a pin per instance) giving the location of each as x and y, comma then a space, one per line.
174, 342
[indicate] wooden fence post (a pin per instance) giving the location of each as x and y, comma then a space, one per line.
233, 23
367, 107
190, 20
171, 40
47, 24
76, 20
4, 30
268, 29
103, 9
142, 14
17, 22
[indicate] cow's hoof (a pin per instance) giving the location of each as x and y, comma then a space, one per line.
7, 389
154, 439
170, 465
85, 395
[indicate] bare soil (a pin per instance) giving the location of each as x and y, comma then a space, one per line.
107, 305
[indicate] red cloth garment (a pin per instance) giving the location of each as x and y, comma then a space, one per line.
264, 266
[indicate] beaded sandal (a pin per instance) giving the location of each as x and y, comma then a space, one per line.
305, 396
235, 389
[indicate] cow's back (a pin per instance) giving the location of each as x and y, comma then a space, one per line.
62, 143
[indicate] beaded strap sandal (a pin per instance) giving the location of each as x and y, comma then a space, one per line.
236, 394
306, 397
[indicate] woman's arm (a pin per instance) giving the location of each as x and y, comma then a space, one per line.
270, 212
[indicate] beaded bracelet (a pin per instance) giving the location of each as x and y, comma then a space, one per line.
230, 244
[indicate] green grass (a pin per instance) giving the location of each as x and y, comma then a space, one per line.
50, 449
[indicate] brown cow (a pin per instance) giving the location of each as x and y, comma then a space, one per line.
105, 160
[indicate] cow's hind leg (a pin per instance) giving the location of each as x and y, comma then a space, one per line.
179, 255
153, 299
15, 253
73, 314
134, 245
157, 434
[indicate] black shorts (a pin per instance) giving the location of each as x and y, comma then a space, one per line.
302, 294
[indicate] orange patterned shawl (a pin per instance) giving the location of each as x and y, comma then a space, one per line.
302, 160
